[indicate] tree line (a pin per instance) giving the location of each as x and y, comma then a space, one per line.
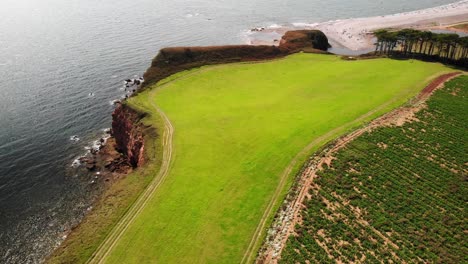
409, 42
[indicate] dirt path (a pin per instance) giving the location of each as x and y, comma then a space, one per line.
111, 240
290, 216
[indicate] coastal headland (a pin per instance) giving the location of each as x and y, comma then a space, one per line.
132, 157
143, 133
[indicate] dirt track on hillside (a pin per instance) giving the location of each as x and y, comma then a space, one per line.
111, 240
284, 224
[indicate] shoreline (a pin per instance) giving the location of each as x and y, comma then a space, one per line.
355, 34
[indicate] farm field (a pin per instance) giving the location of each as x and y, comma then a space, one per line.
396, 194
241, 132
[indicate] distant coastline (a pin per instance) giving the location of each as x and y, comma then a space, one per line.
355, 34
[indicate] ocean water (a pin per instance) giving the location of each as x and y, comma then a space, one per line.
62, 62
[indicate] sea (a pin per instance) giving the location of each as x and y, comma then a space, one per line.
62, 63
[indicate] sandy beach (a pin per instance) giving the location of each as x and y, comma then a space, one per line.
356, 34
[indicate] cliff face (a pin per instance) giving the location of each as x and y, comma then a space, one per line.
176, 59
128, 133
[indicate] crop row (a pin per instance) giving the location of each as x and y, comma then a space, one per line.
394, 194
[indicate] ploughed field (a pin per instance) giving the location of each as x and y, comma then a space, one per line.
237, 128
393, 194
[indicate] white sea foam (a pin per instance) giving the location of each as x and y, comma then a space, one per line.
94, 146
304, 25
76, 162
190, 15
99, 143
273, 26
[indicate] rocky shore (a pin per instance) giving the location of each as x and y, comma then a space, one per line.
123, 150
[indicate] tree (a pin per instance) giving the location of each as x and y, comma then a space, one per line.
447, 47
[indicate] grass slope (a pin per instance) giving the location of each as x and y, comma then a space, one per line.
397, 193
237, 127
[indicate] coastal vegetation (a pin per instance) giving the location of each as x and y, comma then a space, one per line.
397, 193
241, 131
446, 47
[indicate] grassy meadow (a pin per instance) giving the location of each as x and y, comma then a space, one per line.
237, 128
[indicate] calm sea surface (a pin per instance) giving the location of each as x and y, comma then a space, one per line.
62, 62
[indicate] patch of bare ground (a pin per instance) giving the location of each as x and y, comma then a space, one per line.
289, 215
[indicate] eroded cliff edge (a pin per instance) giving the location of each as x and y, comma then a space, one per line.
128, 132
175, 59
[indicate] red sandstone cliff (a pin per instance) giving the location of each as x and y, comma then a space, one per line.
176, 59
128, 132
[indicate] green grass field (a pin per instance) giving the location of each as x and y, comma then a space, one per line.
395, 194
237, 128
